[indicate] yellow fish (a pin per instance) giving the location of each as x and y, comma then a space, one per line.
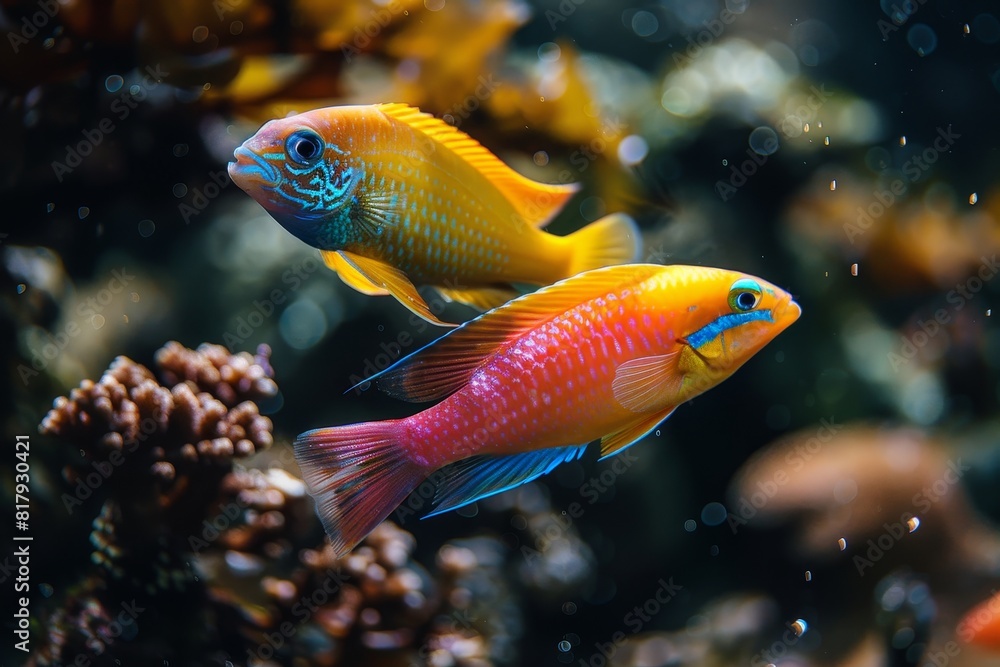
396, 198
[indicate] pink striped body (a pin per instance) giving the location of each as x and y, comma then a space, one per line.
551, 387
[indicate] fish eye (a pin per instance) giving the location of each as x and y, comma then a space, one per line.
744, 295
304, 147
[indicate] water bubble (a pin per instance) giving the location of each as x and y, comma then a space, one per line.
21, 288
922, 38
644, 23
690, 525
713, 550
826, 140
713, 514
854, 269
799, 627
236, 28
833, 185
973, 198
541, 158
549, 52
564, 646
593, 208
764, 141
199, 34
302, 324
180, 150
114, 83
987, 28
180, 190
146, 228
434, 5
632, 150
913, 523
842, 543
809, 575
657, 433
965, 29
97, 321
725, 163
50, 207
902, 140
569, 608
83, 212
46, 590
518, 522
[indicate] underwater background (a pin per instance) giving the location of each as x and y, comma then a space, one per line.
835, 502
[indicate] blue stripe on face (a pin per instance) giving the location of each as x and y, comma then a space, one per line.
710, 332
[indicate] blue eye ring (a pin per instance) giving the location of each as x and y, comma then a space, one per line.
304, 147
744, 295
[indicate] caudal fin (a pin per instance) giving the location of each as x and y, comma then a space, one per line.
357, 474
614, 239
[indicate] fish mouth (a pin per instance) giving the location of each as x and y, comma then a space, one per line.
249, 169
787, 312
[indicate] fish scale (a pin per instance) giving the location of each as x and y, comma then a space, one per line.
519, 375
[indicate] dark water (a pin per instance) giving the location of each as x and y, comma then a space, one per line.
845, 153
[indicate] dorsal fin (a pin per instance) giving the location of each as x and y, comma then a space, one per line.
535, 202
444, 366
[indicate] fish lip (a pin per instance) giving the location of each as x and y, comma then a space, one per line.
253, 169
788, 311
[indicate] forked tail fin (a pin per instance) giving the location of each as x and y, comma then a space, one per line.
357, 474
614, 239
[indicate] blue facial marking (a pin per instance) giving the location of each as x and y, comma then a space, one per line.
712, 331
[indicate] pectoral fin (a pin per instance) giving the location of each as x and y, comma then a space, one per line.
645, 384
479, 477
389, 279
615, 443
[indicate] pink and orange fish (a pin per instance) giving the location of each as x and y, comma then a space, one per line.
607, 354
396, 198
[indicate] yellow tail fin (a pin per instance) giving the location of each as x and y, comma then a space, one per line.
614, 239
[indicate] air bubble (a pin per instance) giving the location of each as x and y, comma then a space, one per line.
764, 141
114, 83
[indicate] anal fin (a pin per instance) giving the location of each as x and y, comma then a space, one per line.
392, 281
622, 439
479, 477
